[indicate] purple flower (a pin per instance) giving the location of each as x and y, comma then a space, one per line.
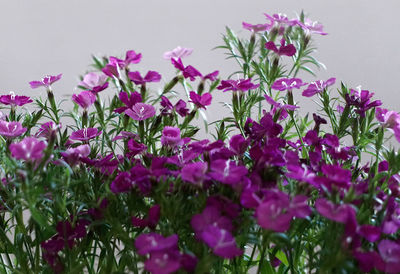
151, 220
128, 100
361, 100
188, 71
337, 213
234, 85
287, 84
390, 254
317, 87
122, 183
211, 76
85, 134
390, 120
151, 76
163, 262
112, 69
288, 50
181, 109
73, 155
131, 57
140, 111
29, 149
14, 100
47, 130
46, 81
152, 242
238, 144
370, 232
310, 26
282, 109
94, 82
201, 101
281, 19
257, 27
177, 53
221, 242
227, 172
171, 136
11, 129
194, 173
84, 99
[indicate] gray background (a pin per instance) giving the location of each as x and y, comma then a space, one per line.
41, 37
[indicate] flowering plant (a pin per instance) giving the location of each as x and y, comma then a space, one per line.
129, 186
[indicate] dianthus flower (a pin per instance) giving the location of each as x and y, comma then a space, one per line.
29, 149
235, 85
46, 81
288, 50
14, 100
201, 101
287, 84
84, 99
11, 129
171, 136
317, 87
178, 53
188, 71
140, 111
94, 82
151, 76
85, 134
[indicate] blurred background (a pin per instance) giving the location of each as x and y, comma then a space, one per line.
49, 37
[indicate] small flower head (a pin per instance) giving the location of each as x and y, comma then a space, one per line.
201, 101
287, 84
46, 81
178, 53
151, 76
140, 111
171, 136
11, 129
14, 100
29, 149
317, 87
84, 99
85, 134
47, 129
94, 82
235, 85
288, 50
194, 173
257, 27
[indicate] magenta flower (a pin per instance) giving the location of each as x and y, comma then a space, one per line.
152, 242
188, 71
111, 69
221, 242
288, 50
94, 82
361, 100
281, 108
11, 129
257, 27
140, 111
227, 172
181, 109
201, 101
84, 99
152, 219
281, 19
337, 213
317, 87
194, 173
128, 100
238, 144
310, 26
14, 100
151, 76
171, 136
390, 254
234, 85
85, 134
211, 76
131, 57
177, 53
122, 183
163, 262
210, 216
46, 81
390, 120
29, 149
73, 155
287, 84
47, 129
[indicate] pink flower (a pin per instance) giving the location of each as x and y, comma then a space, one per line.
257, 27
194, 173
85, 134
140, 111
29, 149
390, 254
389, 119
288, 50
14, 100
73, 155
201, 101
46, 81
171, 136
188, 71
111, 70
310, 26
337, 213
151, 76
131, 57
221, 242
84, 99
235, 85
94, 82
152, 242
47, 129
178, 53
287, 84
163, 262
317, 87
11, 129
128, 100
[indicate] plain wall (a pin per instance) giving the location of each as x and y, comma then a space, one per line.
41, 37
